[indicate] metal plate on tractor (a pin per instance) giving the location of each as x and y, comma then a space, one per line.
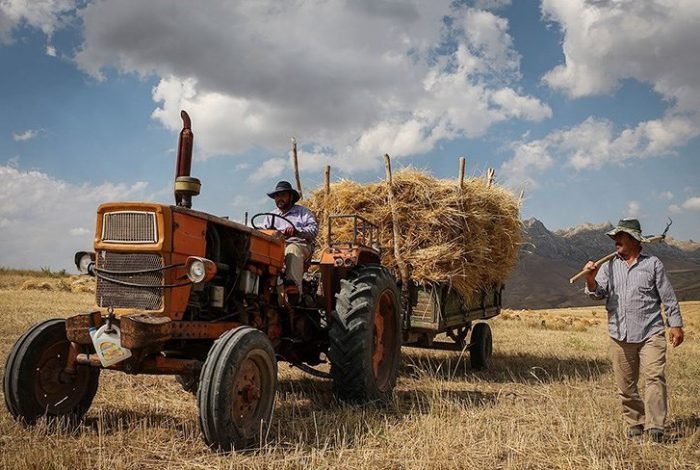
110, 294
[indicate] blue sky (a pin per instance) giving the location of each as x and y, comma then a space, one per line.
589, 106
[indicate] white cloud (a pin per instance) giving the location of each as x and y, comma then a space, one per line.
29, 134
352, 80
79, 231
491, 4
38, 208
692, 204
518, 106
634, 209
46, 15
271, 168
608, 41
529, 158
666, 196
594, 143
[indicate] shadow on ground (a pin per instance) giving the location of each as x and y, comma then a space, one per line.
519, 368
682, 427
111, 420
307, 413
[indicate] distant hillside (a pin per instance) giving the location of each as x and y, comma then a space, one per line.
548, 259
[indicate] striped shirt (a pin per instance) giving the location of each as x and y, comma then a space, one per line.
634, 295
302, 218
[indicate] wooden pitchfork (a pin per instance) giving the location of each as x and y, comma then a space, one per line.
656, 238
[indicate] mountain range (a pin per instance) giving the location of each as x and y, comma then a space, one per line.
548, 259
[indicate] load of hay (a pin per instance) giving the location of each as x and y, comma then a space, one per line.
467, 237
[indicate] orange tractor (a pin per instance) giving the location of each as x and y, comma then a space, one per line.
201, 297
186, 293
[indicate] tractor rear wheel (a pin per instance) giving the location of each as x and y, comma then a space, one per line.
481, 347
35, 383
365, 336
237, 390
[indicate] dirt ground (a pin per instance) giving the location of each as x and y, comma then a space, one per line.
548, 402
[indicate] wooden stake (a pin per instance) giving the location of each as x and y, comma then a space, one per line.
403, 269
296, 167
462, 164
490, 174
327, 178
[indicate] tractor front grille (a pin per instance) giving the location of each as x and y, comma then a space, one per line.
129, 227
111, 294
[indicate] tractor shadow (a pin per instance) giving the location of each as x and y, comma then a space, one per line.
506, 368
307, 414
114, 420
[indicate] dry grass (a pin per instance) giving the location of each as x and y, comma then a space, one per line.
547, 403
469, 237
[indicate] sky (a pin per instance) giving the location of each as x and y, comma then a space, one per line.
590, 106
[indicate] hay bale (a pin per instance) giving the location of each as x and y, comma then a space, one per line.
34, 284
83, 284
469, 238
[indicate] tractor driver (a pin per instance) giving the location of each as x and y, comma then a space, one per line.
300, 237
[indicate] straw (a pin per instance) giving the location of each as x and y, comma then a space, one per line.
469, 238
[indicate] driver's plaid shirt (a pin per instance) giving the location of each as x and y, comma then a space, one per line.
302, 218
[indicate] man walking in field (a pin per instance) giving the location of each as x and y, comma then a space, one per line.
634, 286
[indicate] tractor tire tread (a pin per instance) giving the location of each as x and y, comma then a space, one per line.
350, 344
212, 417
15, 398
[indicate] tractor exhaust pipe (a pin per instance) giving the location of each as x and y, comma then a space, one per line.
185, 185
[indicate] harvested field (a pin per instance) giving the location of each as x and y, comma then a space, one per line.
547, 403
469, 237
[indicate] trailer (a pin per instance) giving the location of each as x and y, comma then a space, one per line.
432, 309
437, 309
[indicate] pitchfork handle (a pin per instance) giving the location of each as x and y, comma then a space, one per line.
597, 265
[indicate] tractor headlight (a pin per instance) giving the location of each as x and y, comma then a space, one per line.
200, 269
83, 261
196, 272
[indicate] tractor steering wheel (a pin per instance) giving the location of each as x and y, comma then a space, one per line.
252, 220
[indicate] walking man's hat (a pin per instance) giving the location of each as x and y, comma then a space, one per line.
629, 226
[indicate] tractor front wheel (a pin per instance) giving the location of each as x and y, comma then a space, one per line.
365, 336
35, 382
237, 390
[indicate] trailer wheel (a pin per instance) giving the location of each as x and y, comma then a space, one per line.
35, 384
365, 336
481, 347
237, 390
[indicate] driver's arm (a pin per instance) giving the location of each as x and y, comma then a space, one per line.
308, 226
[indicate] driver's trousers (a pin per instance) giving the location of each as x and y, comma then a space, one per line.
294, 256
